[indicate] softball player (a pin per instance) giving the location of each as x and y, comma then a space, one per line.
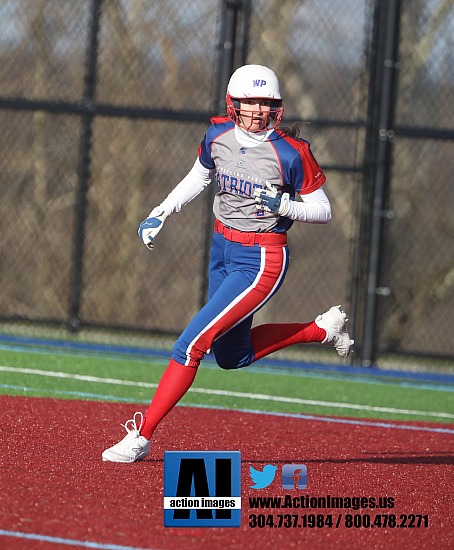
258, 170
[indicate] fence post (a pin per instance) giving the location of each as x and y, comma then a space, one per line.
229, 27
379, 157
84, 166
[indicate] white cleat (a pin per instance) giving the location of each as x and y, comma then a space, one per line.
132, 447
333, 321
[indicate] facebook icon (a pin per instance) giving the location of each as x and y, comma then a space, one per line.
294, 476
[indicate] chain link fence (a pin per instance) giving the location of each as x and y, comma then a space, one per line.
103, 104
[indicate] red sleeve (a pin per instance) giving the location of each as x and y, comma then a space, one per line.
313, 175
220, 119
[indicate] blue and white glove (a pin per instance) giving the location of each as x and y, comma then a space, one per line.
150, 227
270, 200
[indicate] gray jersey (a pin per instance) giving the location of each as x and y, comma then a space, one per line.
240, 170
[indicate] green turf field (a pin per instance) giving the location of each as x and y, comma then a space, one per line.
120, 378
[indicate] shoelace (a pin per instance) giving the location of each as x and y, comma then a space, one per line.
133, 423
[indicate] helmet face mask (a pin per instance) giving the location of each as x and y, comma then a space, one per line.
254, 82
271, 115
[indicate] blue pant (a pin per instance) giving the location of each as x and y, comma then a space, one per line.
242, 279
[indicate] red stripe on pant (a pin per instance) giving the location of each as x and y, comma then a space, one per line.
272, 269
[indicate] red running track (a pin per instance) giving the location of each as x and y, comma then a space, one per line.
54, 483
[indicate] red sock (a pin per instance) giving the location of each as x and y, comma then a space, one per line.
269, 338
175, 382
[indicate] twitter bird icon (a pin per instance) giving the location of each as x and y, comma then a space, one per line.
264, 478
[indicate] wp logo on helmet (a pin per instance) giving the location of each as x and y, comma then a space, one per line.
258, 83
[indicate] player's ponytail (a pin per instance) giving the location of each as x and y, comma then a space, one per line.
295, 130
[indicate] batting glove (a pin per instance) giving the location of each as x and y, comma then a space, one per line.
150, 227
270, 200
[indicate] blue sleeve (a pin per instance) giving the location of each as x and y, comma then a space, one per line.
301, 171
205, 153
219, 126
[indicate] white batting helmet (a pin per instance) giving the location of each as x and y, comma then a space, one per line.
254, 81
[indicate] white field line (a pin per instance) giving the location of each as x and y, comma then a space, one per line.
242, 395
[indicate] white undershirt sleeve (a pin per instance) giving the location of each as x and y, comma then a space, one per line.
189, 187
315, 208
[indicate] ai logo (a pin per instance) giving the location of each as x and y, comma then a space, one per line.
202, 489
